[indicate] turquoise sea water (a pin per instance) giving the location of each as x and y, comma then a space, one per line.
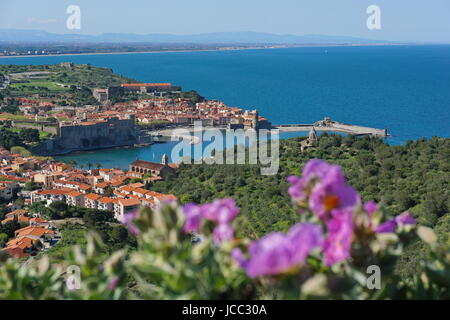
403, 88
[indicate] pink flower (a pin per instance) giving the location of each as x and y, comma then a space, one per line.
127, 220
113, 283
223, 232
337, 245
221, 212
193, 215
314, 168
323, 186
405, 219
390, 226
279, 253
304, 237
332, 193
370, 207
387, 227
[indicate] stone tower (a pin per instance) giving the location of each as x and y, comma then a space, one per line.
311, 141
165, 159
312, 135
255, 119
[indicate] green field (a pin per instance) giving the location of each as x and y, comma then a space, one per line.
81, 75
16, 117
32, 86
62, 85
42, 134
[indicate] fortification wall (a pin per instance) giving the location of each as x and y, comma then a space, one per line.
113, 133
41, 127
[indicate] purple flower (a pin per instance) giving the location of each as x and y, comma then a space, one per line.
387, 227
270, 255
278, 253
193, 215
113, 283
370, 207
127, 220
238, 256
391, 225
221, 211
405, 219
337, 245
314, 168
304, 237
223, 232
323, 186
332, 193
297, 188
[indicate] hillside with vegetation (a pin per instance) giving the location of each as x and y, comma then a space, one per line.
75, 74
62, 84
413, 177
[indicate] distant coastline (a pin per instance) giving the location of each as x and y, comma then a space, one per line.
231, 48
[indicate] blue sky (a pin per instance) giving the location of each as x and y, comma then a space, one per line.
405, 20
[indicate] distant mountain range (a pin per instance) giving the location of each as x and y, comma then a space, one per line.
15, 35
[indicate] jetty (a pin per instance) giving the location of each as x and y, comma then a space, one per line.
333, 126
166, 135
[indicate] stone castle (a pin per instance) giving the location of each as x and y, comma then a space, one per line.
91, 135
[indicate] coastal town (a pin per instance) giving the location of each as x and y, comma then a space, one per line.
126, 114
123, 114
43, 117
35, 180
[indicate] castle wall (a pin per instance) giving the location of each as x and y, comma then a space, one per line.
112, 133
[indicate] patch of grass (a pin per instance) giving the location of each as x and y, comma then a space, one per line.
16, 117
71, 234
37, 86
42, 134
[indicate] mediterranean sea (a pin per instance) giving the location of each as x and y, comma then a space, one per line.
403, 88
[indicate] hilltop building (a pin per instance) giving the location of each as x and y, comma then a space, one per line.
100, 94
155, 169
311, 141
151, 88
255, 120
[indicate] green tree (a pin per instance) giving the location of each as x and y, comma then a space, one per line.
59, 209
31, 185
3, 239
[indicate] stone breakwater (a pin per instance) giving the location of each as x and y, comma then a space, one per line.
334, 126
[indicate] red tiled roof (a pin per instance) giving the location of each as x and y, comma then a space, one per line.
129, 202
93, 196
105, 200
147, 165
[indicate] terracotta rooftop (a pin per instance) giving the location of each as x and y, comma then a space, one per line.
147, 165
74, 194
105, 200
93, 196
129, 202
